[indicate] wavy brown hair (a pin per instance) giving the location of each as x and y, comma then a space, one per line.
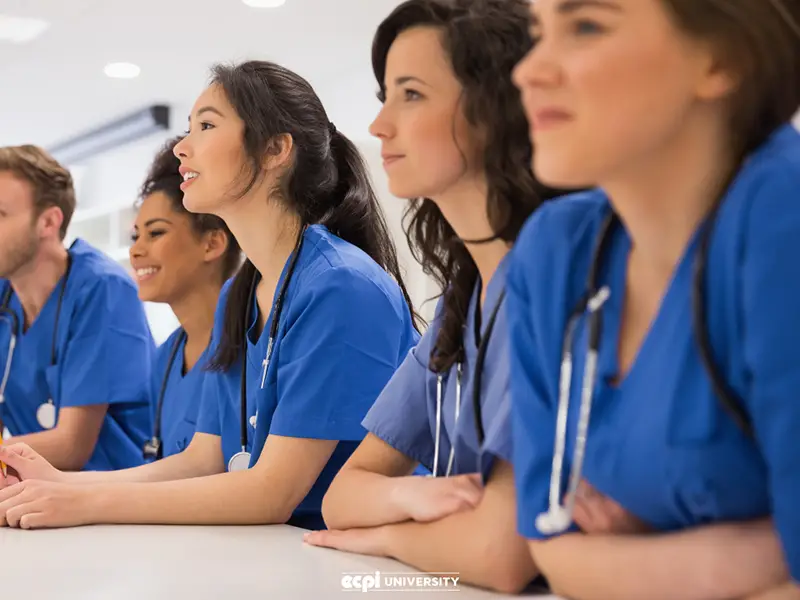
484, 40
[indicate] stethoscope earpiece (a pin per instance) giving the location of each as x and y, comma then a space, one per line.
557, 519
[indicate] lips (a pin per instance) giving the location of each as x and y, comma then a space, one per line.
548, 118
390, 159
146, 273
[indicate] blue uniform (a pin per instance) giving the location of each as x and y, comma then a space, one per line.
660, 443
182, 394
344, 328
103, 355
404, 415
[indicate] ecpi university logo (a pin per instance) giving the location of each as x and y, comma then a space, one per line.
400, 582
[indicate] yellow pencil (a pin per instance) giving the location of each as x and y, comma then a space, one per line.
2, 464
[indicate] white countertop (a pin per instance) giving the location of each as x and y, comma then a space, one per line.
176, 563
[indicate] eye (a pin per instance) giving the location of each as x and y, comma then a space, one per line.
205, 125
586, 27
410, 95
156, 233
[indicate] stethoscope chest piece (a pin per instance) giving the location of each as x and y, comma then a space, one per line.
557, 519
46, 415
239, 461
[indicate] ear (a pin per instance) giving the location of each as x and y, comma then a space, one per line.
49, 222
216, 243
279, 151
718, 79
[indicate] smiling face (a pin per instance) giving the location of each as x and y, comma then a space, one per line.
425, 139
167, 255
609, 84
211, 154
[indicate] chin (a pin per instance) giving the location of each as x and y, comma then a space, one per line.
560, 174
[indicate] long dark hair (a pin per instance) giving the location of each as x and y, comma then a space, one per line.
327, 182
164, 177
484, 40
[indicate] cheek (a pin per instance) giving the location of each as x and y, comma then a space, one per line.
626, 103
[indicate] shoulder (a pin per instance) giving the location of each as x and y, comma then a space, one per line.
769, 181
95, 274
335, 270
558, 240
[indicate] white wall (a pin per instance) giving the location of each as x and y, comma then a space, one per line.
108, 187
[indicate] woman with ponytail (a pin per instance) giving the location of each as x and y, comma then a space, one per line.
455, 139
306, 335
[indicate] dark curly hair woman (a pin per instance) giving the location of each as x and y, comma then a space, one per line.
454, 141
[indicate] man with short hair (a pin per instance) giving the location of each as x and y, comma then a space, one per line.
75, 345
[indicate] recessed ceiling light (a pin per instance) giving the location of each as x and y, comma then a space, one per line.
264, 3
18, 30
122, 70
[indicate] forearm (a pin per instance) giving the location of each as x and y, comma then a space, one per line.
707, 563
359, 498
61, 449
239, 498
179, 466
485, 552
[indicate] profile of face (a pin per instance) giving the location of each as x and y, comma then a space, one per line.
168, 256
20, 227
609, 84
427, 145
212, 154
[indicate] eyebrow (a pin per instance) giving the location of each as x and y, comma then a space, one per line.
570, 6
206, 109
157, 220
409, 79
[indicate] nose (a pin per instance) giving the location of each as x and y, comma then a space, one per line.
538, 68
181, 149
383, 127
137, 249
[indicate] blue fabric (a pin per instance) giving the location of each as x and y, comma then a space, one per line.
660, 443
181, 396
404, 416
343, 331
104, 355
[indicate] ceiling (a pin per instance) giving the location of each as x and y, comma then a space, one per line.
54, 87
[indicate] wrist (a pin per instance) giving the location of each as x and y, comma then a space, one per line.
397, 498
98, 500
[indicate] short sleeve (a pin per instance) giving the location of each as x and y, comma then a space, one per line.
339, 351
771, 286
496, 396
400, 414
109, 356
532, 393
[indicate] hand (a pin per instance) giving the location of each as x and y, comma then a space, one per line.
426, 499
369, 540
23, 462
34, 504
599, 514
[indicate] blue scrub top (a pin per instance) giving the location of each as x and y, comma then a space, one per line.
104, 351
181, 396
345, 328
660, 443
404, 415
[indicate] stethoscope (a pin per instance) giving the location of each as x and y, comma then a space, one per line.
558, 517
46, 413
480, 359
153, 448
241, 460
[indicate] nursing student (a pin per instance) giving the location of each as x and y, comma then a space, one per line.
181, 259
75, 345
660, 366
306, 335
453, 135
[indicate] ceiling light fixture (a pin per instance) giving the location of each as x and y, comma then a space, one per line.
264, 3
122, 70
19, 30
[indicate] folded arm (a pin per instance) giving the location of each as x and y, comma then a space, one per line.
707, 563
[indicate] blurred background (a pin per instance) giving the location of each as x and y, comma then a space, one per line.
102, 84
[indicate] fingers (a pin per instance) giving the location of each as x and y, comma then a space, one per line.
10, 492
33, 520
323, 539
15, 514
17, 456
